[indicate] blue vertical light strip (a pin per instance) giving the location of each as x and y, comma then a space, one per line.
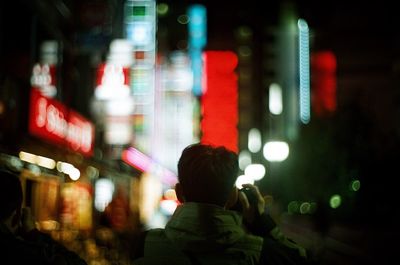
304, 71
197, 28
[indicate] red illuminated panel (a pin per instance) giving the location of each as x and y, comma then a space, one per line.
47, 118
80, 134
219, 102
323, 78
52, 121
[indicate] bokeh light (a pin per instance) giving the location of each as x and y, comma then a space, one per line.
335, 201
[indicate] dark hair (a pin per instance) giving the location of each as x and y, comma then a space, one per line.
10, 193
207, 173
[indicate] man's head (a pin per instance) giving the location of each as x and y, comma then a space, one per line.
10, 197
207, 174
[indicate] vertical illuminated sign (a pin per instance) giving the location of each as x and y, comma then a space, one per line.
304, 71
197, 28
323, 65
220, 100
44, 73
140, 30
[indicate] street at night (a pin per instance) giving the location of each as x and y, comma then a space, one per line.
98, 99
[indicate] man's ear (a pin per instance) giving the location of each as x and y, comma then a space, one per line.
179, 192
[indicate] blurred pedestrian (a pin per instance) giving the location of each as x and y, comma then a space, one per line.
208, 228
20, 242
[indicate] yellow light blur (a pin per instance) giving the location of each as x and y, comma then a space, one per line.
45, 162
38, 160
170, 194
27, 157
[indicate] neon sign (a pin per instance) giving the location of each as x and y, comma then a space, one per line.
220, 100
52, 121
44, 78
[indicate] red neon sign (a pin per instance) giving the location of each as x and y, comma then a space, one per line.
323, 78
52, 121
220, 100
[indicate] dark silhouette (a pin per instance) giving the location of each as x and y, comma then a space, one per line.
20, 242
206, 228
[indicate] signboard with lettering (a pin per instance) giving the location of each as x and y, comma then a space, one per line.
50, 120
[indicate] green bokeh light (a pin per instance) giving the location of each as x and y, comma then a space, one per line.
293, 207
183, 19
244, 33
335, 201
305, 208
355, 185
162, 9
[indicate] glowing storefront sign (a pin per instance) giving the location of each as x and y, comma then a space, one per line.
220, 100
140, 161
44, 78
52, 121
112, 82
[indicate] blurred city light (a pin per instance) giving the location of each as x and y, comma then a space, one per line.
276, 151
355, 185
197, 39
304, 71
293, 207
244, 159
38, 160
27, 157
275, 99
162, 9
183, 19
68, 169
103, 193
243, 179
305, 208
45, 162
168, 206
335, 201
255, 171
92, 172
254, 143
170, 194
244, 33
244, 51
74, 174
